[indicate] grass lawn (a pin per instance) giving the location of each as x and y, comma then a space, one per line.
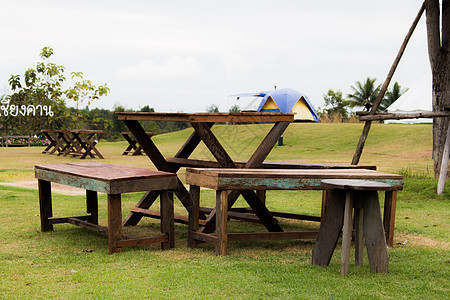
72, 263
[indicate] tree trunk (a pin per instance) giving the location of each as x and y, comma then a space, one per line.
438, 51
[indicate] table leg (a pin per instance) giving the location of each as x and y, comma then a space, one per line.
114, 222
221, 222
45, 204
374, 233
330, 230
167, 226
347, 232
194, 210
92, 206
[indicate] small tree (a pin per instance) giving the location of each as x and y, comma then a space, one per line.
212, 108
235, 108
42, 88
392, 95
336, 105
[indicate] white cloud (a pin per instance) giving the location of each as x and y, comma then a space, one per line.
176, 66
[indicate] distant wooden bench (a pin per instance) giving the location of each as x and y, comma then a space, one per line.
113, 180
5, 139
133, 147
245, 181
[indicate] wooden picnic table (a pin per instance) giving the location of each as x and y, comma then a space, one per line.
245, 181
77, 143
202, 123
133, 146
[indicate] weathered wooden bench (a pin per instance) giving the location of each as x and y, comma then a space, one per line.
5, 139
113, 180
362, 196
248, 180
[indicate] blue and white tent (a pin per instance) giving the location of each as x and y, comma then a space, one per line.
287, 101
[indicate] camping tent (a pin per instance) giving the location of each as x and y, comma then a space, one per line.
285, 100
415, 100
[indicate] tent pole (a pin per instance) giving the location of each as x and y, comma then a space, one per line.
365, 133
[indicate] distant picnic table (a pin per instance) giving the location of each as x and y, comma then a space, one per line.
76, 143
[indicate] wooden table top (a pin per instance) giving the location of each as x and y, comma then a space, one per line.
103, 171
254, 179
207, 117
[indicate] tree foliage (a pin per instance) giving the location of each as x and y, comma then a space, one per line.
39, 98
335, 105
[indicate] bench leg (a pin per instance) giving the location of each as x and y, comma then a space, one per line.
347, 232
221, 222
359, 233
114, 222
330, 230
194, 214
390, 201
374, 234
92, 206
167, 223
45, 204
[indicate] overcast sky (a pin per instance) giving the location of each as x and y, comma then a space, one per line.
186, 55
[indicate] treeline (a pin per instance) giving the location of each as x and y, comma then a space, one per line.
104, 119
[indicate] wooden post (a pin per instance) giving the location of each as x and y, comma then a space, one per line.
45, 204
221, 222
444, 164
114, 222
167, 226
364, 134
194, 211
347, 232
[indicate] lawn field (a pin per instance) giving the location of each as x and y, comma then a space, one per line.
72, 263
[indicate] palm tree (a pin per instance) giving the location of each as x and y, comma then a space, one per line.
364, 94
391, 96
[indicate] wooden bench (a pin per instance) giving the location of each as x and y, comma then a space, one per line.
113, 180
245, 181
5, 139
362, 196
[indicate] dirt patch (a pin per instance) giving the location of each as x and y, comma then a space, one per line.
56, 187
405, 239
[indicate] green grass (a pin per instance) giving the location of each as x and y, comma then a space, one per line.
72, 263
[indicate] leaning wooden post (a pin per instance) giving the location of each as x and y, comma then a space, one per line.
444, 164
365, 133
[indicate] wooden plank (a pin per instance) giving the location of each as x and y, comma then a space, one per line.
374, 234
261, 211
282, 181
204, 237
144, 203
269, 236
207, 117
142, 241
66, 219
347, 232
157, 215
356, 184
196, 163
399, 116
45, 204
167, 220
87, 225
114, 222
330, 230
191, 143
